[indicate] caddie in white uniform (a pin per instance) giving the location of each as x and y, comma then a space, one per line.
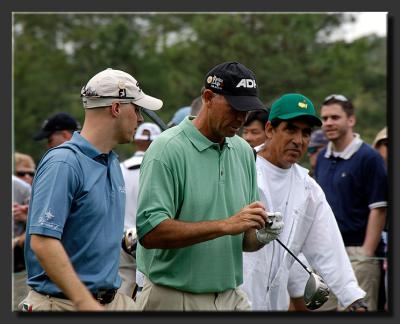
130, 168
310, 226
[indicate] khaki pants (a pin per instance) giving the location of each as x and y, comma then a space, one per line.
127, 272
20, 288
161, 298
367, 272
39, 302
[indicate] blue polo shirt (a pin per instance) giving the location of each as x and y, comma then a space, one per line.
354, 183
78, 197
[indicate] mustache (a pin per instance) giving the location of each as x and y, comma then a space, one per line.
295, 148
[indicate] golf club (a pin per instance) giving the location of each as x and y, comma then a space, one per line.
155, 118
316, 292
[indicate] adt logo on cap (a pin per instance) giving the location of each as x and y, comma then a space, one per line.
247, 83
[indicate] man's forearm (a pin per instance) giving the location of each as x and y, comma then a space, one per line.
376, 223
54, 260
170, 234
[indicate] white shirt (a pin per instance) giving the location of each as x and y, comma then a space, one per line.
131, 178
310, 227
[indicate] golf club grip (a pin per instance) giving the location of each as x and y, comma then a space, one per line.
155, 118
290, 252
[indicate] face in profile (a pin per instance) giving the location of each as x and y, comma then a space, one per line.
225, 121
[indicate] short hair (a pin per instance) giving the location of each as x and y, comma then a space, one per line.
342, 101
259, 115
24, 159
195, 106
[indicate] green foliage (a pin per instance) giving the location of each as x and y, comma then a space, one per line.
56, 54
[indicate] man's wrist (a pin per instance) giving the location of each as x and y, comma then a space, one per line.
357, 305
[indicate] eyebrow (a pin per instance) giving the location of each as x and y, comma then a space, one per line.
293, 126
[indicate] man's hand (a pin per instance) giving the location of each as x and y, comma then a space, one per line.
273, 228
89, 305
358, 306
20, 212
251, 216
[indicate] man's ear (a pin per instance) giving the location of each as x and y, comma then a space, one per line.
207, 96
268, 130
352, 120
115, 109
66, 134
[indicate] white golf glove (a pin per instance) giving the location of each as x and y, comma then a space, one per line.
272, 229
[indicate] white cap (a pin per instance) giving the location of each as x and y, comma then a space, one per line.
110, 85
153, 129
380, 136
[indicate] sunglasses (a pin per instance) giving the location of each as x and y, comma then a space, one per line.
337, 97
24, 173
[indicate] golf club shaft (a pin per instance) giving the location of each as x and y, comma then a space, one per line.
290, 252
155, 118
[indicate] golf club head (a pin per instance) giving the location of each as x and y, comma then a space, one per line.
129, 241
316, 292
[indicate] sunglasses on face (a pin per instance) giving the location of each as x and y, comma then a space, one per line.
337, 97
24, 173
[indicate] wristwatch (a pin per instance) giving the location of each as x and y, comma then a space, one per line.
360, 303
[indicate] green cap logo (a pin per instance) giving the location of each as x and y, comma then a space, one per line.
302, 104
287, 107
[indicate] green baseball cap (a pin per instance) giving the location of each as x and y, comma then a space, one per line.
293, 105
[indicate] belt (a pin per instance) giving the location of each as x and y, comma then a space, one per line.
103, 296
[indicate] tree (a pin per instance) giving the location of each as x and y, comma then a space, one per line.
56, 54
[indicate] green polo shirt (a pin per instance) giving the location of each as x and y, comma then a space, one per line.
185, 176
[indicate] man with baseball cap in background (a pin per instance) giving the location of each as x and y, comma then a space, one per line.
145, 134
76, 214
310, 226
57, 129
317, 142
197, 205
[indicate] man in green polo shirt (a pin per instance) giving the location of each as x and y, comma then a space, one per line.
198, 205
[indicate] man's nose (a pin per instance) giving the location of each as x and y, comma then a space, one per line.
298, 138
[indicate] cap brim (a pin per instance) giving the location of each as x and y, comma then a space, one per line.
245, 103
149, 102
312, 120
41, 135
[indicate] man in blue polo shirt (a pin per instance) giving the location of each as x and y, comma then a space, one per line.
353, 177
76, 213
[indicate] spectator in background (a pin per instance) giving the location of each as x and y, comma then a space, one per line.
317, 142
254, 128
145, 134
21, 196
57, 129
380, 144
179, 115
24, 167
195, 106
76, 213
353, 177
